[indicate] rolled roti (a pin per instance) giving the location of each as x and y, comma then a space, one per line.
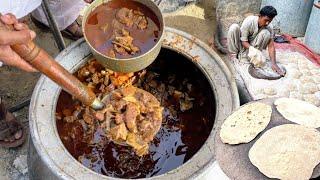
299, 112
289, 151
246, 123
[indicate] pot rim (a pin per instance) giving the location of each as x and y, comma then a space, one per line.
51, 150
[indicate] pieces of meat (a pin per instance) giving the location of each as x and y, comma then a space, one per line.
99, 115
120, 50
130, 117
121, 79
95, 78
119, 133
123, 43
138, 12
115, 96
128, 91
141, 114
141, 22
87, 116
125, 16
119, 105
140, 146
118, 118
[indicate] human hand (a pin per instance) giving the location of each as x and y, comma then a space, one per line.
21, 35
317, 5
277, 69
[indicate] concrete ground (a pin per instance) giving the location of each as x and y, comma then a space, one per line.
17, 85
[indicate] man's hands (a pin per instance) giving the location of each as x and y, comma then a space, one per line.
277, 69
21, 35
272, 54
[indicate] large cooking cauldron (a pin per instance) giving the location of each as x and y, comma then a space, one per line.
48, 157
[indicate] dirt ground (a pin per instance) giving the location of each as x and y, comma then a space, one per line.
17, 86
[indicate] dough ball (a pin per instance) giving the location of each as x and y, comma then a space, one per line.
306, 72
296, 95
291, 86
306, 79
309, 88
311, 98
270, 91
316, 79
294, 74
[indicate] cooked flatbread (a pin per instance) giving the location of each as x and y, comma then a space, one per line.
246, 123
299, 112
289, 151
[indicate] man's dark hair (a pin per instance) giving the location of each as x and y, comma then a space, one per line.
269, 11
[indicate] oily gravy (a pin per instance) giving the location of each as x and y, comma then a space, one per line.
122, 29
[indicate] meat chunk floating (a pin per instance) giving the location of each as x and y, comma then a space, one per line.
123, 43
136, 118
125, 16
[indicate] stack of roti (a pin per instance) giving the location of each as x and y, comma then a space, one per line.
288, 151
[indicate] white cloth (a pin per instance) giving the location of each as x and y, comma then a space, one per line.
19, 8
65, 12
256, 57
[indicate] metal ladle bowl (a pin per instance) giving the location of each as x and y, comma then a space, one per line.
133, 64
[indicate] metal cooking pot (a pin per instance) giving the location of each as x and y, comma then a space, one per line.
49, 159
131, 64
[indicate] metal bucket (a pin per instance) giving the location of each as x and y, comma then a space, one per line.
49, 159
131, 64
313, 30
292, 15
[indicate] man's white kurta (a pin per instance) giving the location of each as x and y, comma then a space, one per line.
19, 8
65, 12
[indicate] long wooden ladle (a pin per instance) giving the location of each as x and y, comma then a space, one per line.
44, 63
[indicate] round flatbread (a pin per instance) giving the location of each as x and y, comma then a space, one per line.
299, 112
289, 151
246, 123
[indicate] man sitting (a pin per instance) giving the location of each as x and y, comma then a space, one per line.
254, 35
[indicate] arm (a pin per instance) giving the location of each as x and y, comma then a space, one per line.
21, 35
272, 54
245, 32
272, 51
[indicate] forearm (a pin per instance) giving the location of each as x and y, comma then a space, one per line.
245, 44
272, 52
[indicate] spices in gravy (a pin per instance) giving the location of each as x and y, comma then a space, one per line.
122, 29
188, 119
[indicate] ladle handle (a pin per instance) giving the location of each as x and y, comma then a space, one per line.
44, 63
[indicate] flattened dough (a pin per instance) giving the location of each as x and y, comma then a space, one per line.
299, 112
289, 151
246, 123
